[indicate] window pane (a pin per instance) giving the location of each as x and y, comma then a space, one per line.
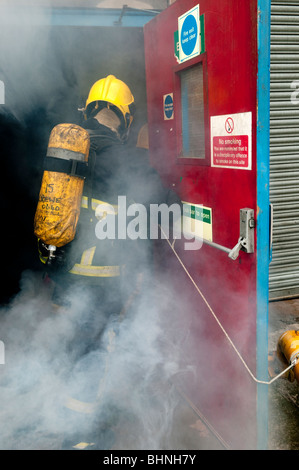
193, 128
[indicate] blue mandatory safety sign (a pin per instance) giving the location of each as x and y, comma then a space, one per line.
189, 35
168, 106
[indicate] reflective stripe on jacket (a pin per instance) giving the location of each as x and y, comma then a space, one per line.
86, 267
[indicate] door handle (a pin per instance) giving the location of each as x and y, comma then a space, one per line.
246, 238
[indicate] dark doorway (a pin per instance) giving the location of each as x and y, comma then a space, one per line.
47, 73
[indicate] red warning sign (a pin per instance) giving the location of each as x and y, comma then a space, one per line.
231, 145
231, 151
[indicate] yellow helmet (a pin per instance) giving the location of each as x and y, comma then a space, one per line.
114, 93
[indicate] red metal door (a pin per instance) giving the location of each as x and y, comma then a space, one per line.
202, 114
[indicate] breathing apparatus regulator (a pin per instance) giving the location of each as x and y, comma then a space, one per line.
66, 167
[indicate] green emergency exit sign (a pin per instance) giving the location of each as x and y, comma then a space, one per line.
197, 220
199, 213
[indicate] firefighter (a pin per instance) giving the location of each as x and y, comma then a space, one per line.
115, 169
108, 271
108, 116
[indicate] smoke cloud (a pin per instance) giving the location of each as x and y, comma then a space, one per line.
123, 383
27, 61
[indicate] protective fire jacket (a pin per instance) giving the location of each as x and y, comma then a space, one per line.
115, 170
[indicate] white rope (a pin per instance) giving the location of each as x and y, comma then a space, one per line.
221, 326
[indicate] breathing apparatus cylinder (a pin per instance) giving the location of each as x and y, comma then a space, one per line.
65, 168
288, 350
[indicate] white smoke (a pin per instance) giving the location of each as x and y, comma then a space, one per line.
125, 379
27, 62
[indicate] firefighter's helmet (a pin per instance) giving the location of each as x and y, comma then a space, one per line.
112, 93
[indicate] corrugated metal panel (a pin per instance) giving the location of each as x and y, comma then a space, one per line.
284, 148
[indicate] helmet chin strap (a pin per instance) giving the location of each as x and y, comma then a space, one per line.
125, 135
